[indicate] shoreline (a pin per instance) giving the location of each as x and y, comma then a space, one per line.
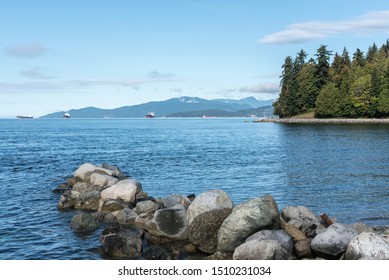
324, 121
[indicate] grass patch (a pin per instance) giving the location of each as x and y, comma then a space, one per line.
309, 115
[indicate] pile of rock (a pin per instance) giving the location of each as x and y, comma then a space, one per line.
209, 226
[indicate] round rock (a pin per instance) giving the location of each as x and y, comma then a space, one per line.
125, 190
246, 219
261, 250
84, 222
334, 241
369, 246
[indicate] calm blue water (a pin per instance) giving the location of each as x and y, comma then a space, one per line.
342, 170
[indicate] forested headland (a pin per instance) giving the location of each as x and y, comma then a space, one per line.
335, 85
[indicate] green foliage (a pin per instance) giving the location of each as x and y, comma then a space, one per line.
327, 105
362, 100
383, 103
308, 90
343, 88
286, 106
322, 66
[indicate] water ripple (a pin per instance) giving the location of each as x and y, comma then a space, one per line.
340, 170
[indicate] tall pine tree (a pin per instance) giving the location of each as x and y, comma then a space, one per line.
322, 66
282, 105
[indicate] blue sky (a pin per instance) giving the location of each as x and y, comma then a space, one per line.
59, 55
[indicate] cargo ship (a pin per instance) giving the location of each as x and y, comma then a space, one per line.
25, 117
150, 115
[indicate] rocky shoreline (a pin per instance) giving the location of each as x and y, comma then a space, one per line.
206, 226
324, 121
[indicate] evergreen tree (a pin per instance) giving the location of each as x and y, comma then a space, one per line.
346, 58
300, 59
327, 105
322, 66
372, 53
298, 103
345, 98
307, 87
346, 107
285, 100
385, 48
362, 101
383, 101
359, 58
375, 83
336, 70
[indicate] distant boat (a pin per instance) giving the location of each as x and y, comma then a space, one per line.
25, 117
66, 115
150, 115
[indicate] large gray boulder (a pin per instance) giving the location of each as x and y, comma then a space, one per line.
125, 190
126, 216
246, 219
261, 250
83, 187
167, 222
82, 171
334, 241
368, 246
84, 222
116, 172
279, 235
88, 201
102, 180
68, 200
205, 215
112, 205
121, 243
146, 206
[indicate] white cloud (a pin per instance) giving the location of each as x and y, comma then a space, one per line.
36, 73
372, 22
154, 74
176, 90
55, 86
261, 88
28, 50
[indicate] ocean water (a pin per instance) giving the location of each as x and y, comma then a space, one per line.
342, 170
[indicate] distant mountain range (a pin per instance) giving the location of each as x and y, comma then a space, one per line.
176, 107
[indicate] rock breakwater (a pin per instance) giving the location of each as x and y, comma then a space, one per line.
207, 226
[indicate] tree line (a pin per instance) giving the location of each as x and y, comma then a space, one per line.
344, 88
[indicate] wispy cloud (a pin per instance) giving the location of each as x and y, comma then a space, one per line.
372, 22
27, 50
261, 88
154, 74
176, 90
263, 91
58, 86
36, 73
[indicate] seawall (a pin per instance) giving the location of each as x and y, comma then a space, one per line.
325, 121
